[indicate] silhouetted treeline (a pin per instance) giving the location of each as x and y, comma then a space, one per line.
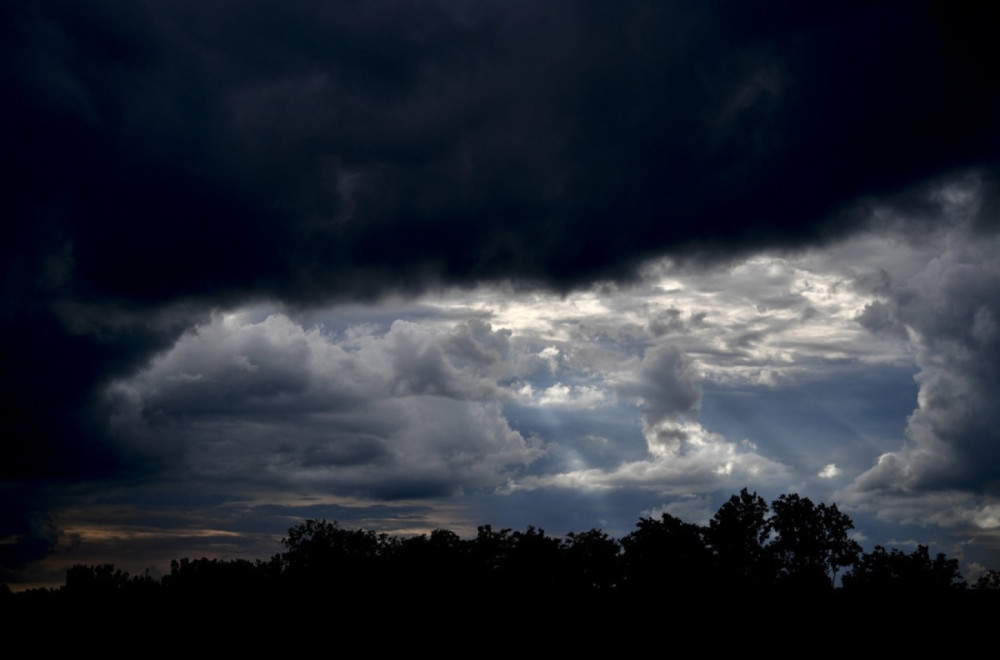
789, 550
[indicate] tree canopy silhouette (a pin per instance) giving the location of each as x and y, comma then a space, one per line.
737, 535
749, 546
897, 572
811, 543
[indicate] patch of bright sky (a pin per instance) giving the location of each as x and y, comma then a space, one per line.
760, 321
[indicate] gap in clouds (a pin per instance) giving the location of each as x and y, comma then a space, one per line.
681, 388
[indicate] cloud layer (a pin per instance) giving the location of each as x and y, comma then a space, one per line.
384, 249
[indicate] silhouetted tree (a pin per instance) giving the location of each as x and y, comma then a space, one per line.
437, 564
811, 543
216, 579
990, 580
100, 581
897, 572
321, 555
488, 553
737, 535
594, 560
534, 562
666, 554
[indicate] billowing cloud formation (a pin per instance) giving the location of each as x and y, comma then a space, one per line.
949, 311
945, 472
668, 391
409, 412
683, 457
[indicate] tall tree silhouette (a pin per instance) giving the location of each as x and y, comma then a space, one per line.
666, 554
737, 535
811, 543
535, 561
321, 554
594, 560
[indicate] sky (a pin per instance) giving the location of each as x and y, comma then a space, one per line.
418, 265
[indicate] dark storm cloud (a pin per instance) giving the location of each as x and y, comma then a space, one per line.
309, 148
163, 159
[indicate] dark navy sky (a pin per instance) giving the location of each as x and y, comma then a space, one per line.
422, 264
